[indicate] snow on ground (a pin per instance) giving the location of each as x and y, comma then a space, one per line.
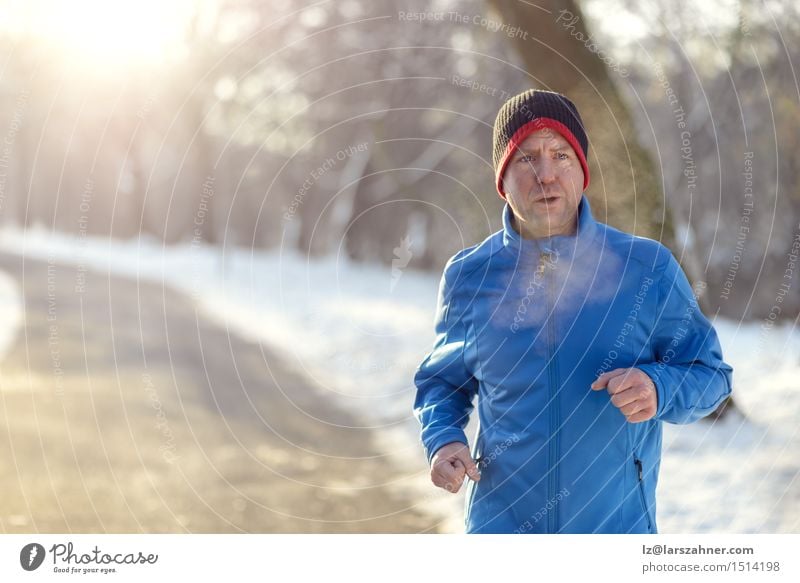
741, 475
359, 331
10, 312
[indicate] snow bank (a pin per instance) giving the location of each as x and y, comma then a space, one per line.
10, 313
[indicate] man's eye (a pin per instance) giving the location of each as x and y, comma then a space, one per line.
525, 158
562, 155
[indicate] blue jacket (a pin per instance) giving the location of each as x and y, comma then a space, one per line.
527, 326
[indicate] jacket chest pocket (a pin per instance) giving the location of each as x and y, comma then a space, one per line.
609, 337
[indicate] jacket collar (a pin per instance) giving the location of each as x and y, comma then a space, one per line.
560, 244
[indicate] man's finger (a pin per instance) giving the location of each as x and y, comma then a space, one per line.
622, 382
601, 381
634, 407
642, 416
625, 397
450, 472
466, 461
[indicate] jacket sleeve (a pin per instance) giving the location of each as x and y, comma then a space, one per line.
690, 376
445, 387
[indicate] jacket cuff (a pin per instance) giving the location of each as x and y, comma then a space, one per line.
651, 370
443, 438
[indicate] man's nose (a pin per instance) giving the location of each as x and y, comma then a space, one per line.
545, 171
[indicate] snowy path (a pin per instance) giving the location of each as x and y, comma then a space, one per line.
124, 409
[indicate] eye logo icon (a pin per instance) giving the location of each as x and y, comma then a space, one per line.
31, 556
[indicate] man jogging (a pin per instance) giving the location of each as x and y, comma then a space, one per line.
575, 341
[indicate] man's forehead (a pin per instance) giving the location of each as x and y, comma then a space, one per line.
545, 137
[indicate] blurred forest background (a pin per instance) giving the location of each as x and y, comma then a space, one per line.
206, 208
357, 125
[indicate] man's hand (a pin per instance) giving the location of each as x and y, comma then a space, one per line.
632, 392
449, 465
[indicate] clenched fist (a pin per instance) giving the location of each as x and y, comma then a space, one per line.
632, 392
450, 464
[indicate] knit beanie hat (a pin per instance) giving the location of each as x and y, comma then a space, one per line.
531, 111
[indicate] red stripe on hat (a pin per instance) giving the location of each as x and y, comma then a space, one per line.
527, 129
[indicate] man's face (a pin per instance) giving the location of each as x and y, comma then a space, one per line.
543, 183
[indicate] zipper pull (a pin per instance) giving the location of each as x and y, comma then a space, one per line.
549, 257
545, 260
542, 263
638, 467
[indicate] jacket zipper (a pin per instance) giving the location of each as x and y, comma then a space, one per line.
638, 463
552, 522
470, 496
477, 455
